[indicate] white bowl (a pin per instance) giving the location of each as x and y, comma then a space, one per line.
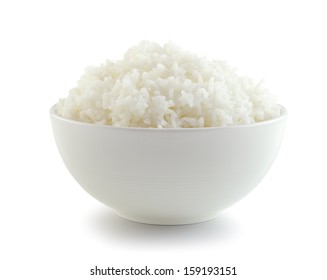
168, 176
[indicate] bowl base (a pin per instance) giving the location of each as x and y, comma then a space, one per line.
166, 221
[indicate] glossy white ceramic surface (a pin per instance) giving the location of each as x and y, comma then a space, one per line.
168, 176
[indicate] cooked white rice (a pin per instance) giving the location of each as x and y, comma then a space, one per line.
166, 87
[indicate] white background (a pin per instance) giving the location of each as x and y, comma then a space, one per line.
52, 229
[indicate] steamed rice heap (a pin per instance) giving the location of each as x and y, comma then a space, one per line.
166, 87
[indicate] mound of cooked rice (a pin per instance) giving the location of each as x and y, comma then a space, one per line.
166, 87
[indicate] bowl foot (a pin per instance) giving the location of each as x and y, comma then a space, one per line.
166, 220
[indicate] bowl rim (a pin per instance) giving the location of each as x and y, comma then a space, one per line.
282, 116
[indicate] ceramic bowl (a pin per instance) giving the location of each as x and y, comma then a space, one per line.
168, 176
